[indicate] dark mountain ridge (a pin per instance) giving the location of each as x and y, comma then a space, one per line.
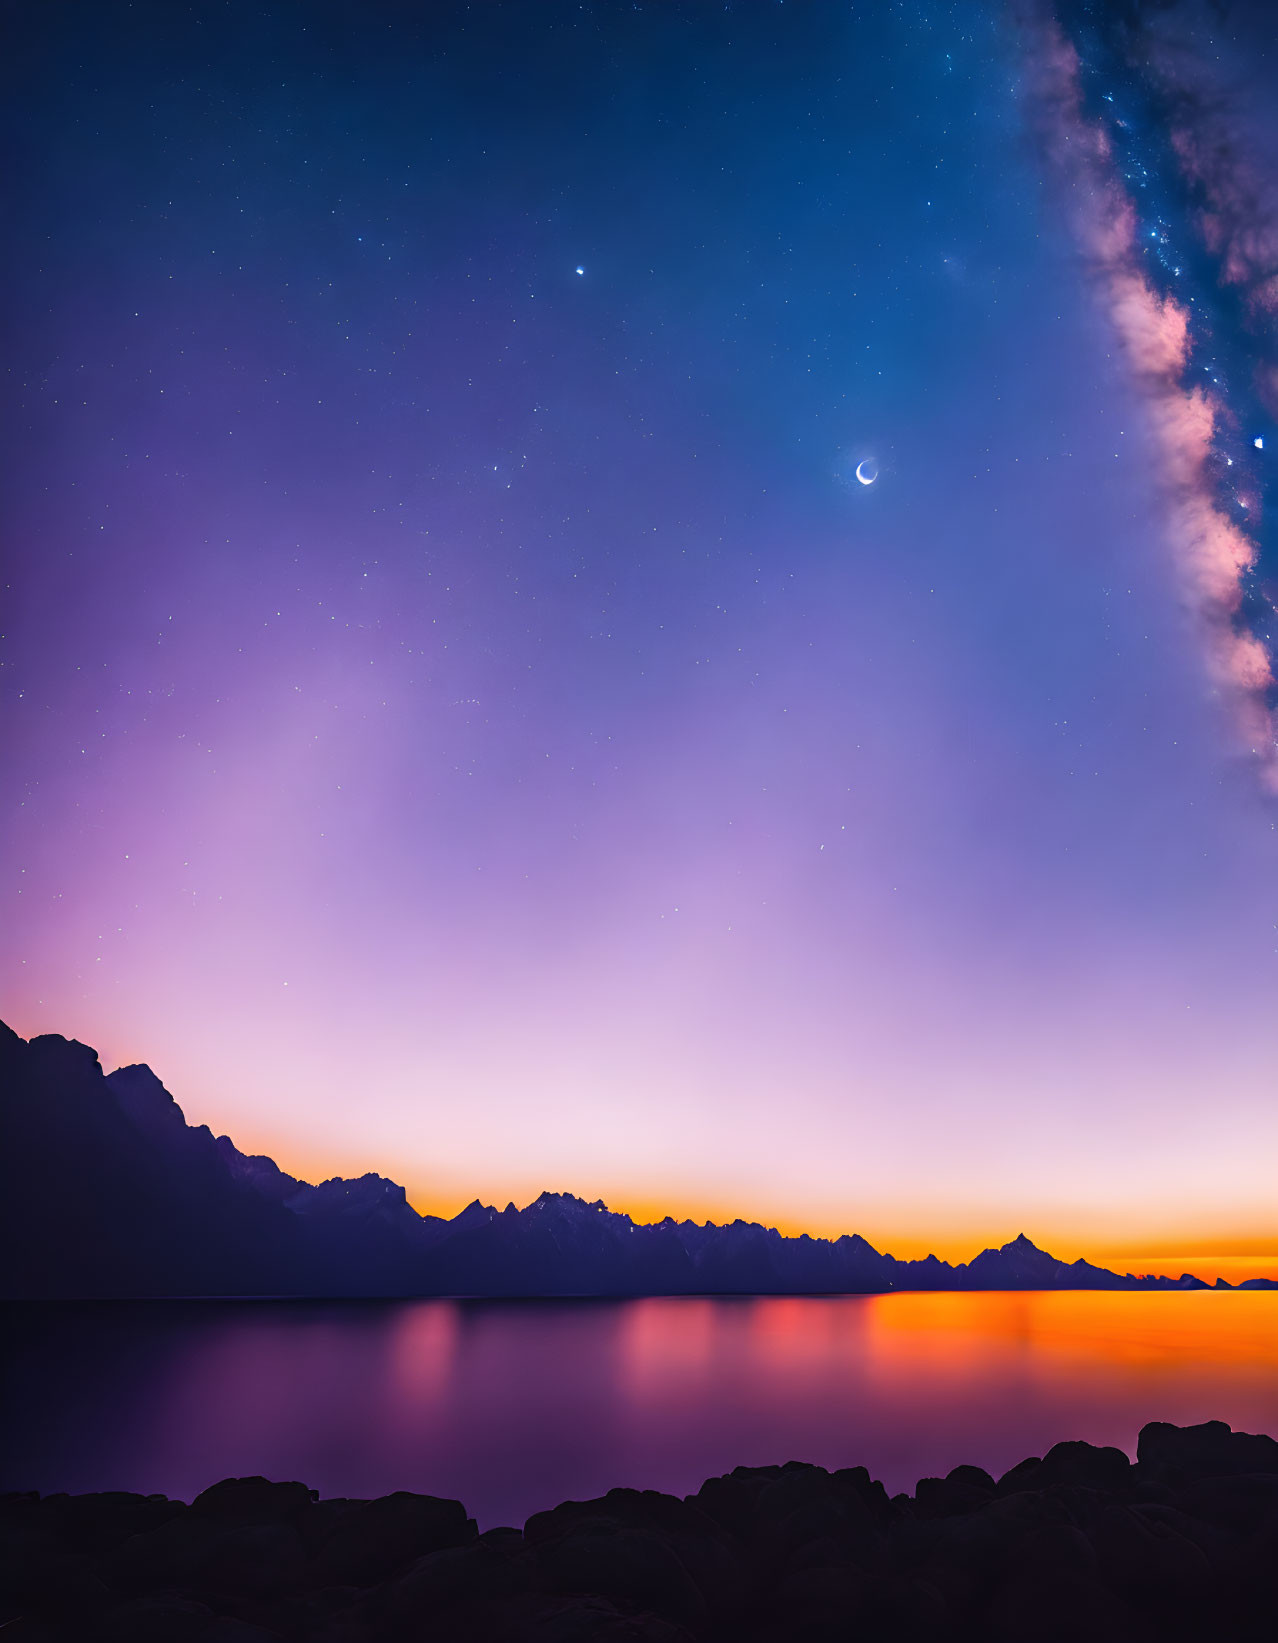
107, 1191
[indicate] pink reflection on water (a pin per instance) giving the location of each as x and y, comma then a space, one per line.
422, 1344
514, 1406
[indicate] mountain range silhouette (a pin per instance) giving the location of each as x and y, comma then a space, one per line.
106, 1191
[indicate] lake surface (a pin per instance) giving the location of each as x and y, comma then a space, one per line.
513, 1406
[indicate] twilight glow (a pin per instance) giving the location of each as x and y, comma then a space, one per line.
468, 713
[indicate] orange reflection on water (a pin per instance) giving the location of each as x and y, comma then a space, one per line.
513, 1406
1074, 1364
920, 1382
1076, 1329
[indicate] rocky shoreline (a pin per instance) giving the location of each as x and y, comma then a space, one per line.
1081, 1543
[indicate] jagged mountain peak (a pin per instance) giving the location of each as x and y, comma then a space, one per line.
151, 1109
366, 1189
474, 1214
139, 1087
171, 1210
51, 1050
564, 1200
137, 1072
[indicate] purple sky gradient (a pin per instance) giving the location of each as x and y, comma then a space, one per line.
463, 719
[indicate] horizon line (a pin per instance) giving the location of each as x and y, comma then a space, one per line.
1215, 1259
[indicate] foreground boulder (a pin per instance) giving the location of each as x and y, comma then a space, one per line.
379, 1538
1179, 1453
1180, 1546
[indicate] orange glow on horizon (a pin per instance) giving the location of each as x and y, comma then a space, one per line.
1232, 1258
906, 1231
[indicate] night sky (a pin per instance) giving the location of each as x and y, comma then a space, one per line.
463, 716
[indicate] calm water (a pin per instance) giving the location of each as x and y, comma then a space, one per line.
513, 1406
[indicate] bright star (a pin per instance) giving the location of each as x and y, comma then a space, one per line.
581, 270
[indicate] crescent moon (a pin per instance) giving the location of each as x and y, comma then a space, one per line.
868, 471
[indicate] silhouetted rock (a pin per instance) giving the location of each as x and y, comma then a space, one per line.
1178, 1453
1079, 1464
652, 1550
96, 1523
170, 1555
255, 1560
1060, 1609
381, 1537
227, 1629
986, 1544
486, 1573
164, 1618
963, 1490
817, 1603
632, 1566
591, 1620
1078, 1548
1238, 1504
1144, 1556
252, 1500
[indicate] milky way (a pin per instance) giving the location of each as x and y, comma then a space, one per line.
1174, 227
